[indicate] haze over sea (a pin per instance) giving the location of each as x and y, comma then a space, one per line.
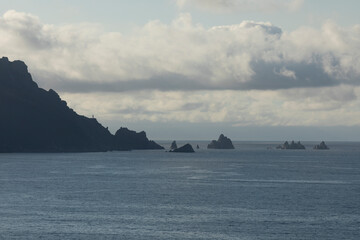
251, 192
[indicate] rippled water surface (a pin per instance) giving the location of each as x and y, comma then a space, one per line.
249, 193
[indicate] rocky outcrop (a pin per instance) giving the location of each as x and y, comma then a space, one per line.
173, 145
222, 143
321, 146
35, 120
187, 148
126, 139
292, 145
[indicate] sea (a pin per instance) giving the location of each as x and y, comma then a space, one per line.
252, 192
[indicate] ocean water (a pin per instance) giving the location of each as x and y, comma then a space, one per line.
252, 192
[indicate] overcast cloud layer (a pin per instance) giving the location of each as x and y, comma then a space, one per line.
163, 72
306, 107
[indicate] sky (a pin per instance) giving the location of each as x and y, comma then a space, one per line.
192, 69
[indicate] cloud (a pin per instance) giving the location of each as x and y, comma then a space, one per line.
247, 74
251, 73
242, 5
284, 72
182, 56
330, 106
21, 28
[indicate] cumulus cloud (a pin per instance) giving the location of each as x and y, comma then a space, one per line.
182, 55
25, 29
183, 71
242, 5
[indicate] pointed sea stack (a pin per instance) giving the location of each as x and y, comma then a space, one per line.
173, 145
222, 143
321, 146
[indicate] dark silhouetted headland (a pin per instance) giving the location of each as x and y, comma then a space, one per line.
35, 120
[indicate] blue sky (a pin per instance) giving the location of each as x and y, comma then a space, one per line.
259, 70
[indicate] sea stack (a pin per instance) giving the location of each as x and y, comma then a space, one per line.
222, 143
321, 146
187, 148
173, 145
292, 145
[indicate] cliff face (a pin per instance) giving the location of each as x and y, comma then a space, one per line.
35, 120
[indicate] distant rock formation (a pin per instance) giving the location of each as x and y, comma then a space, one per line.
173, 145
321, 146
292, 145
187, 148
126, 139
35, 120
222, 143
197, 146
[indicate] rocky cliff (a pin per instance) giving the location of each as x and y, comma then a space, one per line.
35, 120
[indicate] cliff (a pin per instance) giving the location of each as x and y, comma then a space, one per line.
35, 120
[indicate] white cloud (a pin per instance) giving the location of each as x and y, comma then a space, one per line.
242, 5
286, 73
165, 71
182, 55
329, 106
